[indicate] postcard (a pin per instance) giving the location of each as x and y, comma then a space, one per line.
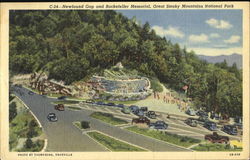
125, 80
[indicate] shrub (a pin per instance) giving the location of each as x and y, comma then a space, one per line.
85, 124
12, 111
32, 123
29, 143
31, 133
155, 85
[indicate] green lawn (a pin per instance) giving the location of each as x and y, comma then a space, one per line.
165, 136
77, 124
113, 144
118, 102
108, 118
215, 147
74, 108
66, 102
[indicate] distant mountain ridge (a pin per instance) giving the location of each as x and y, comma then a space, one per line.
233, 58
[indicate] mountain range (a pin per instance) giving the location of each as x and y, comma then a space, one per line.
230, 59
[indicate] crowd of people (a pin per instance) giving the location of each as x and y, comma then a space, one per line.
169, 98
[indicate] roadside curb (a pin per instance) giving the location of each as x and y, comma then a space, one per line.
45, 145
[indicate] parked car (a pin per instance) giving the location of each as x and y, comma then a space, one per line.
133, 108
158, 125
210, 126
126, 110
62, 97
215, 116
202, 113
139, 112
190, 112
202, 119
238, 125
151, 114
215, 138
100, 103
52, 117
141, 120
238, 119
59, 107
144, 109
110, 104
31, 93
120, 105
191, 122
230, 129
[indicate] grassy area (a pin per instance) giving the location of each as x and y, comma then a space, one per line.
165, 136
108, 118
23, 125
74, 108
66, 102
118, 102
82, 124
113, 144
77, 124
34, 146
156, 85
215, 147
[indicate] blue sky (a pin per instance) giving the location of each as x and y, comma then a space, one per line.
207, 32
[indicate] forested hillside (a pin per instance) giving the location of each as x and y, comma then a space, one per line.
71, 45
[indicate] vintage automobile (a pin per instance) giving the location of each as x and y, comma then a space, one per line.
230, 129
31, 93
141, 120
202, 120
59, 107
139, 112
215, 138
110, 104
191, 122
158, 125
190, 112
202, 113
100, 103
62, 97
133, 108
151, 114
120, 105
210, 126
52, 117
144, 109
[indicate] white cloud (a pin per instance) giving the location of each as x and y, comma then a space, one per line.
233, 39
202, 38
170, 31
214, 35
219, 24
216, 51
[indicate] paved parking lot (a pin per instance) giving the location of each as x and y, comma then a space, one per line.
175, 126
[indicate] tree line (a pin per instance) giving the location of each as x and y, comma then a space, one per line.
71, 45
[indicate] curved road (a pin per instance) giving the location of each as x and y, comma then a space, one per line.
63, 136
